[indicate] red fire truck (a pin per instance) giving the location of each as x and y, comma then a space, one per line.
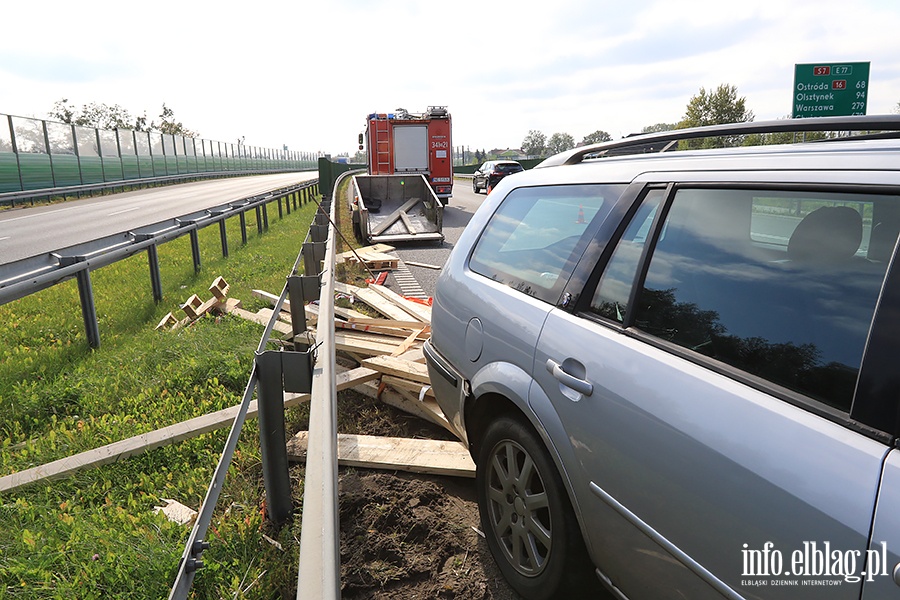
404, 143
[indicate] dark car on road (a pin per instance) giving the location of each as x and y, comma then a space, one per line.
677, 372
491, 172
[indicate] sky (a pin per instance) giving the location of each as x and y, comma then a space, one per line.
305, 73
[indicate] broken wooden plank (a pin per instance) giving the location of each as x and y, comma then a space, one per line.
414, 354
346, 288
424, 410
384, 331
410, 340
391, 218
161, 437
423, 265
219, 288
378, 248
407, 223
362, 346
375, 260
195, 309
382, 305
312, 313
400, 368
387, 323
262, 320
167, 321
413, 387
413, 309
435, 457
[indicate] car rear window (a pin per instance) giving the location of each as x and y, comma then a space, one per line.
534, 239
509, 168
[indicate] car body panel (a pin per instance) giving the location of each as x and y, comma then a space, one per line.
884, 551
706, 461
679, 467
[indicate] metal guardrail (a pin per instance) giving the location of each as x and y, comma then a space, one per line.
319, 571
30, 275
11, 198
275, 372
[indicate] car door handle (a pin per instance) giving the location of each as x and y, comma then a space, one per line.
585, 388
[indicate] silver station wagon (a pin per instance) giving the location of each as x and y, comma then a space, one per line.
679, 372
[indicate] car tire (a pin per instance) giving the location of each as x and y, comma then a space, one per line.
474, 187
529, 525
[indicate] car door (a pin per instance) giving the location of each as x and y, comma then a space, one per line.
705, 390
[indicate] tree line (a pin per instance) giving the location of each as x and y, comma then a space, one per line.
712, 107
113, 116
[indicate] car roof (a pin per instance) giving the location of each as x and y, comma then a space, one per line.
814, 162
664, 140
606, 163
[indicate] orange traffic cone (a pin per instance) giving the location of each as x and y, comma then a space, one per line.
580, 220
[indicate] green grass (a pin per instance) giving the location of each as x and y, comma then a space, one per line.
95, 535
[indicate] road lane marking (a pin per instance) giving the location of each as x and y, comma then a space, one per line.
40, 214
119, 212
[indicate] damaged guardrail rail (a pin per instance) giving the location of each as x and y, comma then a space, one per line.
276, 374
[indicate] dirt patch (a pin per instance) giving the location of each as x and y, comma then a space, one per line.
405, 535
409, 536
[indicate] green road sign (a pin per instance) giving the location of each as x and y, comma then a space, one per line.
830, 89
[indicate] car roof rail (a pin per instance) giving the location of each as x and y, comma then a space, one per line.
665, 140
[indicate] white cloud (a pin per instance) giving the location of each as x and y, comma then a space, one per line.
306, 74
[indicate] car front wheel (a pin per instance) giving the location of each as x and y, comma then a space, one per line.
525, 513
474, 187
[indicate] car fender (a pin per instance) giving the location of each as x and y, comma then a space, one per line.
516, 385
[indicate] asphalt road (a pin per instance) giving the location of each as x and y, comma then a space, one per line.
457, 214
33, 231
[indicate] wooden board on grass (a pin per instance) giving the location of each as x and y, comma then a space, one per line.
162, 437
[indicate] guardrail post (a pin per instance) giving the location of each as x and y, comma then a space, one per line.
88, 309
280, 212
259, 225
265, 212
195, 250
243, 219
313, 255
155, 280
279, 371
86, 294
224, 237
300, 288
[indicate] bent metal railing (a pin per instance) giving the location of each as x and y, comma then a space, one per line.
30, 275
304, 369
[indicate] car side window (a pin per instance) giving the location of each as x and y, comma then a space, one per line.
612, 294
781, 285
531, 240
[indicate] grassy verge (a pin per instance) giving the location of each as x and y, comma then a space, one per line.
95, 535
